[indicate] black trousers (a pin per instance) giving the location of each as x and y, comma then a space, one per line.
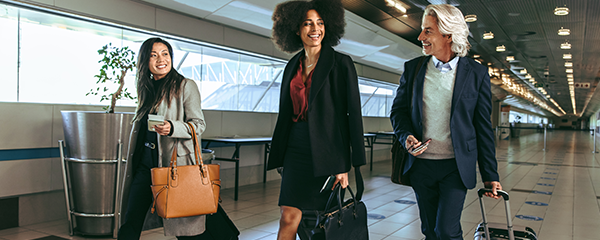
440, 195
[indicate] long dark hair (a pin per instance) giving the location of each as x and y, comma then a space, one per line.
148, 100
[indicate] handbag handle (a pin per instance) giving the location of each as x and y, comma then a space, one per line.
197, 155
337, 195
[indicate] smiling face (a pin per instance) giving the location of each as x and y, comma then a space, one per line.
434, 42
312, 30
160, 61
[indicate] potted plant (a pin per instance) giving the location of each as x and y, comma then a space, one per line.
95, 149
116, 62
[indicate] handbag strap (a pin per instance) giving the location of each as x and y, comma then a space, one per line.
197, 155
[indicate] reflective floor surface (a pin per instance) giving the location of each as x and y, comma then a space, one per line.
556, 192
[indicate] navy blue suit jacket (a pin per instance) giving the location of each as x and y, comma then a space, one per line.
470, 125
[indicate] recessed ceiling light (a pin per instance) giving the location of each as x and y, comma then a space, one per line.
570, 75
570, 79
471, 18
548, 96
567, 56
565, 45
569, 70
528, 76
570, 83
396, 4
523, 71
476, 56
568, 64
488, 35
564, 32
500, 48
510, 58
561, 11
489, 64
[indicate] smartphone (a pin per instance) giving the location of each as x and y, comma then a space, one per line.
328, 183
419, 148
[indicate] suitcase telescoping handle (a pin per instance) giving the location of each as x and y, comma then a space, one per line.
480, 192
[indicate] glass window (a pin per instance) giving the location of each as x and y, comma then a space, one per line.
9, 59
376, 97
53, 58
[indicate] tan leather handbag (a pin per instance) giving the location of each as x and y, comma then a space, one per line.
185, 191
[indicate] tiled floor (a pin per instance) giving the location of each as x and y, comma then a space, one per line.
566, 178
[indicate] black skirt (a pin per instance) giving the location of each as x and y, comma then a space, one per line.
299, 187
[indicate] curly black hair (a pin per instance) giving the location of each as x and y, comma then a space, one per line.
288, 16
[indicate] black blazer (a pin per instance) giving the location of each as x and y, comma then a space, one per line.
334, 115
470, 123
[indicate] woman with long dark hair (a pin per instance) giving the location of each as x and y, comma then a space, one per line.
161, 91
319, 129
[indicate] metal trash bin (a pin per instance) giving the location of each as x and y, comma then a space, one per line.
93, 158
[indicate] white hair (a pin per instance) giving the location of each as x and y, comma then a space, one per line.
451, 21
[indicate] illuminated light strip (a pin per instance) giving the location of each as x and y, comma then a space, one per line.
516, 89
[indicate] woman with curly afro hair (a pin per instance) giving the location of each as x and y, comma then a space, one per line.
319, 131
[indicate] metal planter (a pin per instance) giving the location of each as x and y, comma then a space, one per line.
93, 160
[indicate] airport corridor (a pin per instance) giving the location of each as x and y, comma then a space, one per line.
555, 192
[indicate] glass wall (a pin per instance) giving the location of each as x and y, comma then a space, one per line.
53, 58
520, 117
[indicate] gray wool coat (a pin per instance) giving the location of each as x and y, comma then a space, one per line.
185, 108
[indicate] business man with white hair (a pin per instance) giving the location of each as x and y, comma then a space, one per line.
447, 100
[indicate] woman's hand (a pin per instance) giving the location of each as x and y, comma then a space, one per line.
163, 129
341, 178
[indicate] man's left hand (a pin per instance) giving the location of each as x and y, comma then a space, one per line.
494, 186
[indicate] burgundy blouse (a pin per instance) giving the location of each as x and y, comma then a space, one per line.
299, 92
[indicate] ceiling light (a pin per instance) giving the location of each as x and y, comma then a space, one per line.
396, 4
477, 60
510, 58
528, 76
565, 45
570, 75
489, 64
500, 48
569, 70
476, 56
561, 11
571, 83
564, 32
523, 71
488, 36
567, 56
568, 64
548, 96
471, 18
569, 79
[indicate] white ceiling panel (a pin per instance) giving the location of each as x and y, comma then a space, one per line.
364, 41
360, 41
252, 16
198, 8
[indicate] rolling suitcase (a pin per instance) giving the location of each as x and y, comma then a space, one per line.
496, 231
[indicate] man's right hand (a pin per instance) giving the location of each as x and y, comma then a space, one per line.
411, 143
